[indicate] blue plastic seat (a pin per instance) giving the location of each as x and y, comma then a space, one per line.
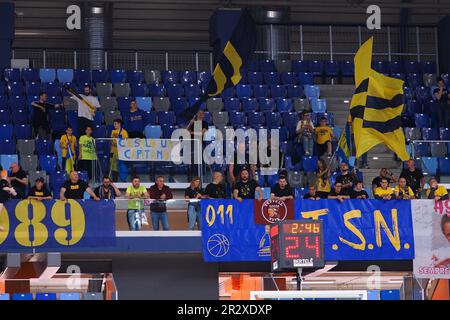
178, 105
444, 165
381, 66
17, 102
33, 88
23, 132
428, 67
139, 89
157, 90
294, 91
167, 131
20, 116
347, 68
318, 105
253, 65
272, 78
123, 103
429, 165
135, 76
170, 77
188, 77
414, 80
414, 106
99, 131
153, 131
244, 91
289, 78
52, 88
305, 78
118, 76
203, 78
15, 88
12, 75
300, 66
422, 120
48, 162
310, 164
150, 118
175, 90
22, 296
65, 75
283, 105
430, 134
266, 105
290, 119
47, 75
100, 76
6, 131
256, 119
332, 68
228, 93
7, 146
30, 75
278, 91
5, 116
260, 91
267, 66
166, 118
400, 76
98, 118
4, 296
57, 179
192, 91
45, 296
249, 105
396, 67
70, 296
72, 119
57, 120
444, 133
273, 119
144, 103
412, 67
312, 92
422, 149
7, 159
423, 94
82, 76
255, 78
231, 104
317, 67
44, 147
103, 146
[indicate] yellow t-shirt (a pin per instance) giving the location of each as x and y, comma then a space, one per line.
382, 192
116, 134
65, 141
410, 192
323, 134
323, 185
440, 192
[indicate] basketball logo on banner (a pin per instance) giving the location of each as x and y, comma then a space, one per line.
218, 245
272, 210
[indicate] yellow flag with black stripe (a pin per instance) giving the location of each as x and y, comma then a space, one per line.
376, 107
228, 70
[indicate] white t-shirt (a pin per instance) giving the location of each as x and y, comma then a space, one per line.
83, 110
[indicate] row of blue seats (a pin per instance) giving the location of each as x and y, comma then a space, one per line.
51, 296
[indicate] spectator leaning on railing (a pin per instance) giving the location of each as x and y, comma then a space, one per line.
107, 190
135, 213
216, 189
402, 191
39, 191
282, 190
384, 192
74, 188
158, 209
436, 191
18, 180
6, 191
194, 192
338, 193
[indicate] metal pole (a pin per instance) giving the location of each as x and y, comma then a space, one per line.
359, 36
106, 60
271, 44
196, 61
389, 43
75, 60
418, 43
13, 54
136, 65
330, 31
301, 42
211, 61
44, 59
167, 61
436, 45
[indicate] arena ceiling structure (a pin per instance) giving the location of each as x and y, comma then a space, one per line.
184, 24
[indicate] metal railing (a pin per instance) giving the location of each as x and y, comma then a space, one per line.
298, 42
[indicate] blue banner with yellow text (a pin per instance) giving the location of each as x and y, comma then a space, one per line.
55, 224
353, 229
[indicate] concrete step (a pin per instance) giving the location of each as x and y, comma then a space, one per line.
338, 104
336, 91
382, 160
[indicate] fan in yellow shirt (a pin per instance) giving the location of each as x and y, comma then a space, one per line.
117, 133
436, 191
384, 192
402, 191
324, 134
65, 140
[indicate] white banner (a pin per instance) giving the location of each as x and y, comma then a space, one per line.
149, 150
431, 223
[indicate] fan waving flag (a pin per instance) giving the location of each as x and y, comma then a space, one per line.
376, 107
70, 161
228, 70
345, 142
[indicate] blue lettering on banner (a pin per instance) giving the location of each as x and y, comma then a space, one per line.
353, 230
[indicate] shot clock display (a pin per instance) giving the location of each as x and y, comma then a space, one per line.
296, 244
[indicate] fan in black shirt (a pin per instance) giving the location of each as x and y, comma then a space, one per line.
40, 120
338, 193
358, 192
282, 190
245, 188
414, 178
346, 178
216, 188
39, 191
18, 179
312, 194
74, 188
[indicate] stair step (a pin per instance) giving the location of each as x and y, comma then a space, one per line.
343, 90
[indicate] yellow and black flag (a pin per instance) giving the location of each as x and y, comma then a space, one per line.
236, 54
376, 107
